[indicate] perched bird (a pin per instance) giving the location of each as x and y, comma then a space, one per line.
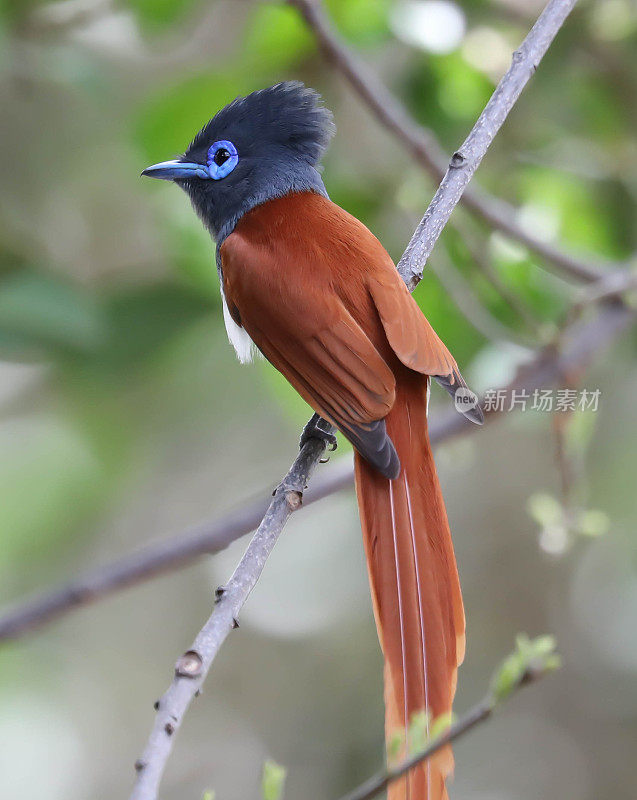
310, 287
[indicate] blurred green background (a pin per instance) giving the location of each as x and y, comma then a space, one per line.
125, 417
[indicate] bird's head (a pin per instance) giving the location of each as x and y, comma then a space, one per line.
258, 147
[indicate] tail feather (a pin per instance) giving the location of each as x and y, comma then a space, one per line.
415, 587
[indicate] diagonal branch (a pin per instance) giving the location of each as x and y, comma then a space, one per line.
193, 666
423, 146
155, 559
467, 159
191, 669
377, 784
532, 660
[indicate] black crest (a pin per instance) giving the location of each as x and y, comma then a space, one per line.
287, 115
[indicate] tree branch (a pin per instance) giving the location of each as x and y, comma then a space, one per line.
154, 560
194, 664
424, 148
530, 661
467, 159
374, 786
192, 667
614, 284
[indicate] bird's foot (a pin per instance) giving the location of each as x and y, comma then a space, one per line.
319, 428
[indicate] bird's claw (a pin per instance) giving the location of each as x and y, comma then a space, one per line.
319, 428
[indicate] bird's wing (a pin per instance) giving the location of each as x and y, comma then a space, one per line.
413, 339
303, 328
407, 329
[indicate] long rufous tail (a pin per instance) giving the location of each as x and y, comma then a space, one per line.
414, 582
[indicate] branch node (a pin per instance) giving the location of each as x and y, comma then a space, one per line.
219, 593
139, 765
235, 623
457, 160
294, 499
156, 705
189, 665
169, 728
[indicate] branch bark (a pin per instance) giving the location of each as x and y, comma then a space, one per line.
192, 667
421, 142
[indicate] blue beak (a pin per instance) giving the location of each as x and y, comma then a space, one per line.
176, 170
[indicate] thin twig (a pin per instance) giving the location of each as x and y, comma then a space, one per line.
155, 559
192, 667
378, 783
578, 346
610, 286
532, 660
468, 157
422, 144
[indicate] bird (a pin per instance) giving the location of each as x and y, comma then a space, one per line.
309, 287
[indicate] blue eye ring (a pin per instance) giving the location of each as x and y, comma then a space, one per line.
218, 168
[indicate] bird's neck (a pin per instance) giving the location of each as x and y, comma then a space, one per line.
221, 219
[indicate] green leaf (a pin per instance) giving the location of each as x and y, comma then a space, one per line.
209, 794
441, 725
273, 780
395, 745
418, 733
530, 658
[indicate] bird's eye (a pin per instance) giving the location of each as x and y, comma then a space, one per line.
222, 159
220, 156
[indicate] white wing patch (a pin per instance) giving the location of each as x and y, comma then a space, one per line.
238, 336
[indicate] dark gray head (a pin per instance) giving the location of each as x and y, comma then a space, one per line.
259, 147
